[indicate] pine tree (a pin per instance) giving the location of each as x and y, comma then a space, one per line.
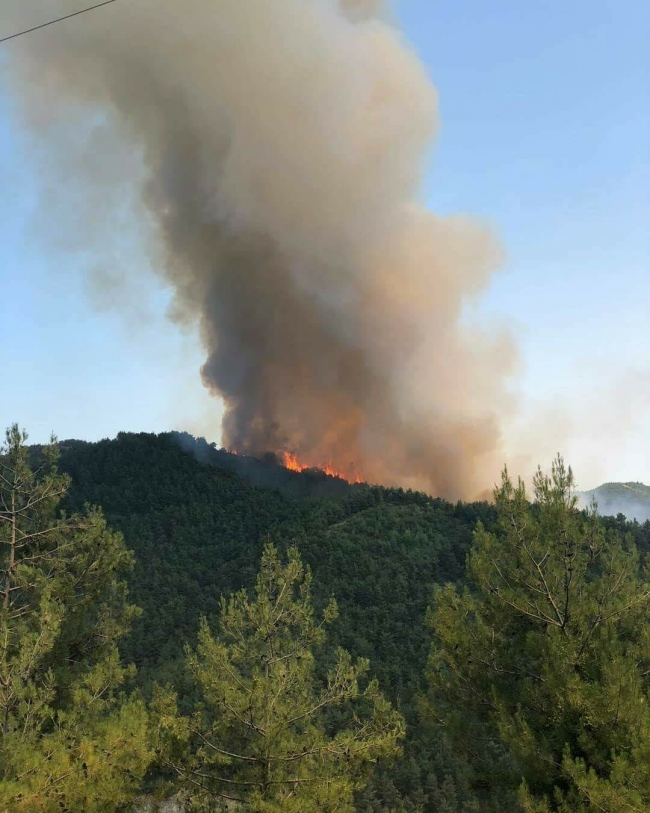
270, 734
542, 670
66, 741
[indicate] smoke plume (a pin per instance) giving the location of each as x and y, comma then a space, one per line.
280, 147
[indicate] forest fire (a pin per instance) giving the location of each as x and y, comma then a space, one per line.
291, 462
328, 298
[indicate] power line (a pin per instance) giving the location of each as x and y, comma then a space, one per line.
52, 22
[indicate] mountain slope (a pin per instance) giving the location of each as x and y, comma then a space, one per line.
630, 499
197, 517
197, 528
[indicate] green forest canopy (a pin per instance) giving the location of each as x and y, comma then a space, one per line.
197, 520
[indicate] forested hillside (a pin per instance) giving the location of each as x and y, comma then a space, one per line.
630, 499
502, 635
197, 529
197, 525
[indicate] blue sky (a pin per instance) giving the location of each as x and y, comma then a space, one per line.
545, 134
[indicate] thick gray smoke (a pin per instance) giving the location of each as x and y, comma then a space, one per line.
283, 144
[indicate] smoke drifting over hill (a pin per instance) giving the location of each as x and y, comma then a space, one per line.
630, 499
282, 146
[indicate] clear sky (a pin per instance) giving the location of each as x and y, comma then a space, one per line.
545, 111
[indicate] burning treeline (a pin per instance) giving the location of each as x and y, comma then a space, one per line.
279, 148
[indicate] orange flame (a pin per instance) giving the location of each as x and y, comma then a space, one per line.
291, 462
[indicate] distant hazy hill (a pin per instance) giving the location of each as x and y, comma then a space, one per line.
631, 499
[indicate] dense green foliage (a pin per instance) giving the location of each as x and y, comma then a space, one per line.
541, 669
269, 733
197, 529
67, 741
197, 532
198, 519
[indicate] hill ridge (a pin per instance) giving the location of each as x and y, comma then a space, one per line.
632, 499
